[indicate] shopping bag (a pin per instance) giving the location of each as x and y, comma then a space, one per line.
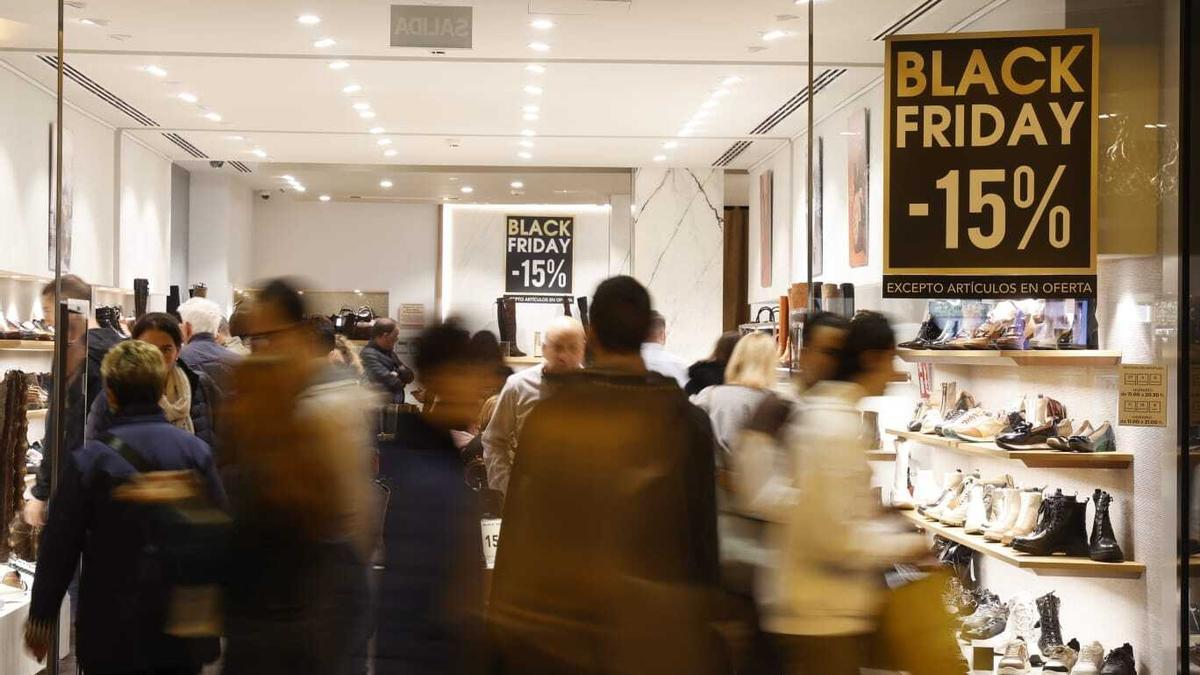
916, 633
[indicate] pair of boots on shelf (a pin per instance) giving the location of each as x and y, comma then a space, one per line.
1062, 528
1008, 324
506, 319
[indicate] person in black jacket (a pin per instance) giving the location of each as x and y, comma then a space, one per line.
121, 617
380, 363
711, 371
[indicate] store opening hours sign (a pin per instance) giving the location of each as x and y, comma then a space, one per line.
990, 165
538, 254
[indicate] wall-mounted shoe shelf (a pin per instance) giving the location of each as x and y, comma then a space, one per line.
1044, 459
39, 414
27, 345
996, 357
881, 455
1056, 565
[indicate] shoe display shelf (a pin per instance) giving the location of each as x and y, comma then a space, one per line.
27, 345
880, 455
998, 357
1043, 459
1045, 565
39, 414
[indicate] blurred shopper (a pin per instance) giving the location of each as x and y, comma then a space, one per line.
562, 353
188, 396
349, 355
655, 354
202, 352
122, 603
87, 345
380, 362
823, 605
306, 509
749, 377
609, 555
487, 346
431, 592
340, 363
711, 371
232, 333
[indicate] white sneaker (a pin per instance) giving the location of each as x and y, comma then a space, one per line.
1060, 659
1016, 659
1091, 659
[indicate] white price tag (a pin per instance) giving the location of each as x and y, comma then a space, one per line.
490, 528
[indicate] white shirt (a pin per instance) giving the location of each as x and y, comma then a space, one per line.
661, 361
518, 398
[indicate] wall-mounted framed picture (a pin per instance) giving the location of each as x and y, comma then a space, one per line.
766, 227
858, 187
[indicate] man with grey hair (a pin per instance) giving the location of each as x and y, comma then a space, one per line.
201, 352
562, 352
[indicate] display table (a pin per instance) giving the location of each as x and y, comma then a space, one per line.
13, 658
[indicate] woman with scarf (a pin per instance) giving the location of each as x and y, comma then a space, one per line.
187, 395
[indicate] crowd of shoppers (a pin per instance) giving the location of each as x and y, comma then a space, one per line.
655, 518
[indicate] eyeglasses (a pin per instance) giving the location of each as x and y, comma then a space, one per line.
266, 335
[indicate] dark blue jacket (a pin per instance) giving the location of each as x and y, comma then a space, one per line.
117, 629
100, 417
203, 355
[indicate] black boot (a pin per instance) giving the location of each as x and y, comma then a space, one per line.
1063, 529
1119, 662
506, 317
141, 296
1051, 629
1103, 546
847, 300
566, 306
173, 302
583, 311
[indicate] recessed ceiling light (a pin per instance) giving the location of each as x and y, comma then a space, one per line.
299, 188
212, 117
686, 131
375, 130
188, 98
467, 189
326, 198
539, 46
701, 114
385, 183
290, 179
339, 65
453, 179
670, 145
94, 22
772, 35
525, 155
235, 138
362, 105
352, 89
390, 153
731, 80
367, 114
660, 158
526, 144
528, 132
324, 42
258, 152
533, 90
720, 92
309, 19
384, 141
535, 68
542, 24
531, 117
531, 109
516, 185
155, 71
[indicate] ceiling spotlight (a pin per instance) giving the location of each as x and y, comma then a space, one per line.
324, 198
531, 109
772, 35
539, 46
670, 145
375, 130
526, 144
542, 24
533, 90
525, 155
235, 138
367, 114
362, 105
339, 65
188, 98
259, 152
299, 188
352, 89
309, 19
660, 158
390, 153
467, 189
155, 71
212, 117
531, 117
290, 179
324, 42
535, 68
385, 183
516, 185
731, 80
528, 132
384, 141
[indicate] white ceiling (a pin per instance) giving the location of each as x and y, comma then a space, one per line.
621, 79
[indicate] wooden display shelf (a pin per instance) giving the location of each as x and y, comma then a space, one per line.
39, 414
1057, 565
881, 455
1043, 459
997, 357
27, 345
523, 360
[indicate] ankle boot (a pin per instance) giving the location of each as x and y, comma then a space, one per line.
902, 496
1051, 629
1027, 517
847, 300
1103, 546
783, 331
977, 510
1064, 530
173, 302
583, 312
1005, 515
141, 295
506, 317
566, 302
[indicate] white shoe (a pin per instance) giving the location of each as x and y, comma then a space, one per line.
1091, 659
1005, 515
1026, 523
1016, 659
977, 510
1060, 659
902, 497
954, 512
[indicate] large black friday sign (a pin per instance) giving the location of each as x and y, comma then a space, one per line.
538, 254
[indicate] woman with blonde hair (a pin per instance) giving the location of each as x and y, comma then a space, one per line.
749, 377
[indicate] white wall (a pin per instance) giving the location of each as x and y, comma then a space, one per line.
348, 245
219, 235
145, 218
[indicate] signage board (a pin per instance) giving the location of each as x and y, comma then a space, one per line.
1143, 394
990, 165
490, 530
432, 26
412, 315
538, 254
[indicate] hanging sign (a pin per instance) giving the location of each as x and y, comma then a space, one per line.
990, 165
490, 530
538, 253
432, 26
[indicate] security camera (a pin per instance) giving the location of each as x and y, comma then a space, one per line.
454, 142
265, 195
216, 164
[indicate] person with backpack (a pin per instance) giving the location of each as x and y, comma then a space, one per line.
124, 589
